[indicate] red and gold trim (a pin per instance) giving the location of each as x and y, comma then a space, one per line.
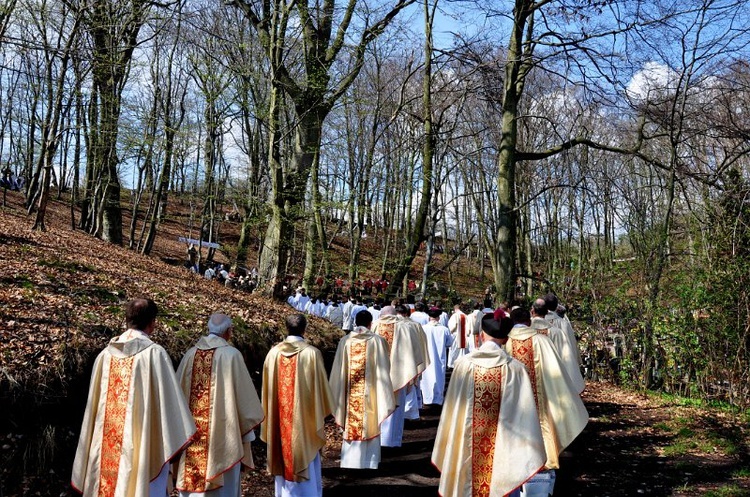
355, 413
196, 455
486, 411
523, 350
118, 391
462, 331
287, 377
386, 331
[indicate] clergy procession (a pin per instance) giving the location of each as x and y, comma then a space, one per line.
507, 386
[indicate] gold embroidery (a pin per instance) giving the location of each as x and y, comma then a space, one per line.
196, 455
486, 411
523, 350
385, 330
355, 413
118, 391
286, 382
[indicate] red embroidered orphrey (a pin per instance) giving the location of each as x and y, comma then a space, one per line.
486, 411
287, 377
196, 455
118, 392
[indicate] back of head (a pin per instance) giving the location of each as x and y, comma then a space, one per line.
539, 307
219, 324
140, 313
296, 324
551, 302
388, 310
410, 299
434, 312
499, 329
363, 318
420, 306
402, 310
520, 315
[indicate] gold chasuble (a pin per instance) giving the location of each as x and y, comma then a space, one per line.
296, 400
561, 410
361, 384
405, 348
136, 419
225, 406
489, 440
568, 356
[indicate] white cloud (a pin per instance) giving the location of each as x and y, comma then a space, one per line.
654, 78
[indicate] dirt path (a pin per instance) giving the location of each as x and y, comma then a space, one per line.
633, 445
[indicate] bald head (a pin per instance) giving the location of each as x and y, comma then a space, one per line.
539, 308
388, 310
219, 324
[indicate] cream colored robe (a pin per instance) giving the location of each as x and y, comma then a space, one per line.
568, 355
405, 346
225, 406
463, 341
568, 336
295, 406
361, 384
561, 411
472, 414
136, 419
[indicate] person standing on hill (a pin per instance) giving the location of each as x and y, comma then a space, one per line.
136, 420
296, 399
489, 440
226, 409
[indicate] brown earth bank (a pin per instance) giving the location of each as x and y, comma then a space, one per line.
61, 297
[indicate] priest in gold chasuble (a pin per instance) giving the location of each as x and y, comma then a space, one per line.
296, 399
489, 440
406, 359
363, 393
136, 420
226, 409
561, 411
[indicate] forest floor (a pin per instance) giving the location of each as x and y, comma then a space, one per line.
61, 296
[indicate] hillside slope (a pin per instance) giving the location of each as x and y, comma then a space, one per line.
61, 300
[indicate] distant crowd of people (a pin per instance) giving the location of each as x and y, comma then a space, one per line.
10, 181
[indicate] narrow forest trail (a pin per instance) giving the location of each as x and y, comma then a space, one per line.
633, 445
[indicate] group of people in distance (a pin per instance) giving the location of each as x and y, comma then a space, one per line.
512, 405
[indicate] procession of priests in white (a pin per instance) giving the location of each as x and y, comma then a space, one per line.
511, 407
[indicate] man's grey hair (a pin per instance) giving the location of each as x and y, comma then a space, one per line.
539, 307
388, 310
218, 324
